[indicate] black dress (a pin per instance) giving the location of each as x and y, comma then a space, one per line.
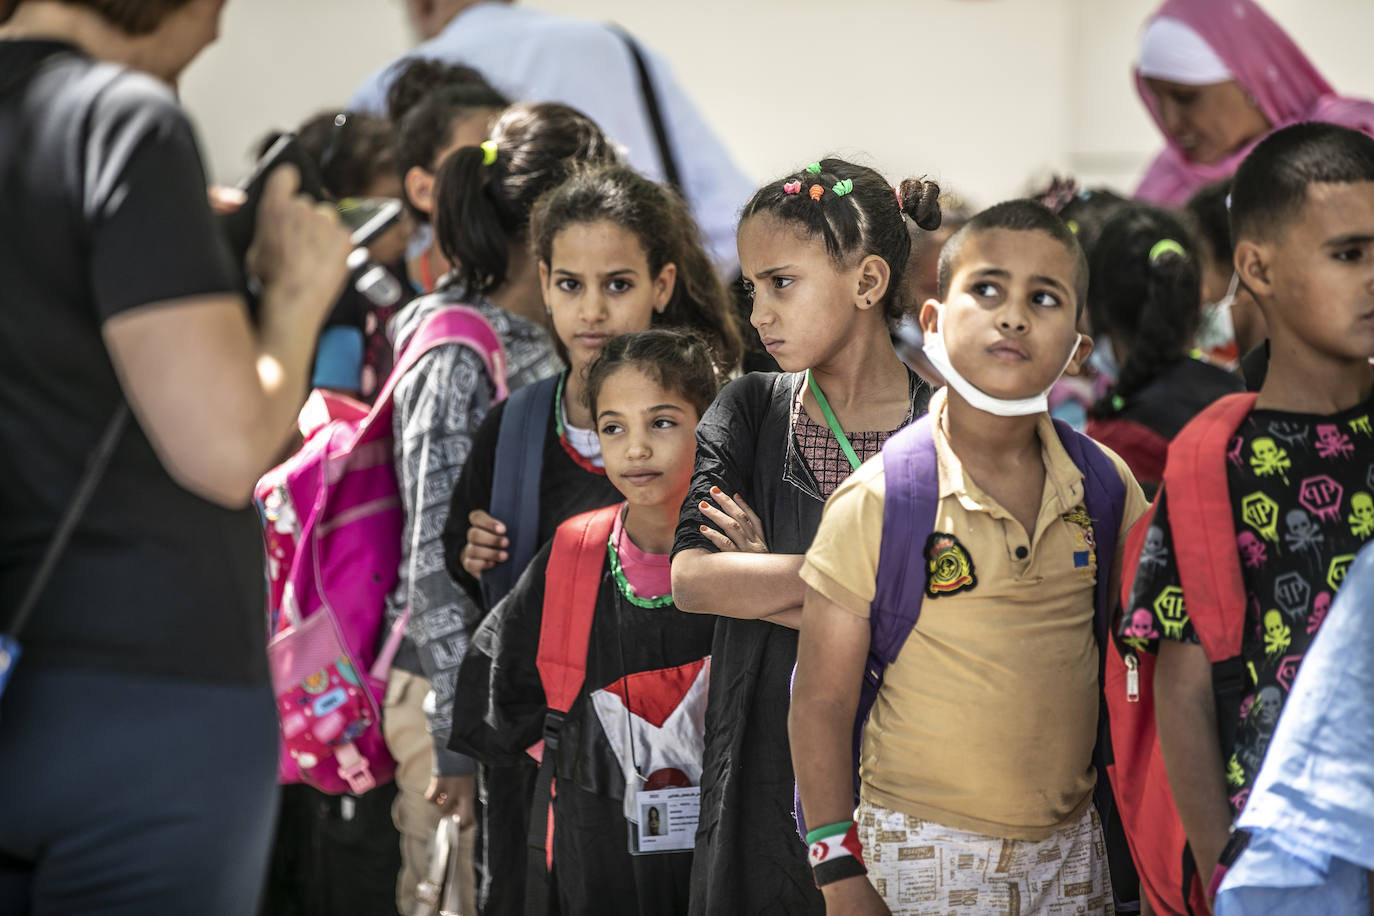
749, 858
593, 872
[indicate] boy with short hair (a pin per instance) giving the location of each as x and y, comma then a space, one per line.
1299, 472
977, 759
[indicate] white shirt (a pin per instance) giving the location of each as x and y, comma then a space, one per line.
535, 56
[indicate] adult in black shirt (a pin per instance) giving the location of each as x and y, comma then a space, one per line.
137, 738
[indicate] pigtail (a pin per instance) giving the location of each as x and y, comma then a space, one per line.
473, 222
920, 201
1145, 290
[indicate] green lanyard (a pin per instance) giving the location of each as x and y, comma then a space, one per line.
840, 437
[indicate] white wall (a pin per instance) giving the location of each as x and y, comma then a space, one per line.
984, 95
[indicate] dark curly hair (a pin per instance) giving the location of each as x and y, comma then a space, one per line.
416, 78
483, 211
1149, 303
428, 126
660, 220
679, 361
351, 150
865, 220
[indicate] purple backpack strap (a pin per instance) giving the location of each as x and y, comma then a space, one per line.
912, 495
1104, 498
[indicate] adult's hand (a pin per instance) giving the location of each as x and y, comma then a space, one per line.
300, 250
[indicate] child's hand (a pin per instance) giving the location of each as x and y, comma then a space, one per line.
743, 532
487, 543
854, 897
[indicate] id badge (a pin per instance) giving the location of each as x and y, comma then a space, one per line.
667, 821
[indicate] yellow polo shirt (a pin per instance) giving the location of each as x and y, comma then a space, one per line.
987, 719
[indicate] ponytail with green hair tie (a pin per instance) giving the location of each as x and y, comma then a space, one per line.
1163, 246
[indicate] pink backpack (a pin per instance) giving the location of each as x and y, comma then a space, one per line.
333, 524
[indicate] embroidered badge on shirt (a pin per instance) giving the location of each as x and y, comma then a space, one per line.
1084, 544
949, 568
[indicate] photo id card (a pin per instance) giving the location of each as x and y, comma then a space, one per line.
667, 821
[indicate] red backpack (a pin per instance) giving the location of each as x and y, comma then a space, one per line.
1200, 517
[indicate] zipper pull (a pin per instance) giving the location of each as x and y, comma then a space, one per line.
1132, 678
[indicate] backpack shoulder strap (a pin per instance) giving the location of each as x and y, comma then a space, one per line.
1104, 497
1200, 517
571, 584
515, 483
452, 324
911, 497
463, 325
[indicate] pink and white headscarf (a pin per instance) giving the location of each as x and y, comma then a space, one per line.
1268, 65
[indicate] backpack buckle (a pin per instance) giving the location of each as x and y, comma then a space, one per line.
553, 724
354, 769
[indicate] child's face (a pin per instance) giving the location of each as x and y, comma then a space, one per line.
804, 304
597, 286
648, 438
1315, 278
1009, 321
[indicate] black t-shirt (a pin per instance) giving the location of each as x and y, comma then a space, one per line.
105, 211
1300, 490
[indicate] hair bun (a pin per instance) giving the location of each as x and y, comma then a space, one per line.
920, 200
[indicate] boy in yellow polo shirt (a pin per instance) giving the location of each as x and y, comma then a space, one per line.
976, 762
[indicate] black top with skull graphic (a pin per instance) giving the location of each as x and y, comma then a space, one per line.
1302, 491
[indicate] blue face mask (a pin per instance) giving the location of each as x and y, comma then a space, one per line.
1103, 359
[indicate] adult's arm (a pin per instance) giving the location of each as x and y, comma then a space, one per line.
217, 397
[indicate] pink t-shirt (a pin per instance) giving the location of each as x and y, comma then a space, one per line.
649, 574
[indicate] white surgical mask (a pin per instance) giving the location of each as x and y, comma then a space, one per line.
1216, 328
935, 351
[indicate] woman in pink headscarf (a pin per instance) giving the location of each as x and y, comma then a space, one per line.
1218, 75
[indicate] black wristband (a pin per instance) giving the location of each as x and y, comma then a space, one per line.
838, 870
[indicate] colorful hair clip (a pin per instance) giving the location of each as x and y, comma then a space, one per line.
1118, 402
791, 187
897, 192
816, 192
843, 187
814, 168
1164, 246
488, 152
1073, 225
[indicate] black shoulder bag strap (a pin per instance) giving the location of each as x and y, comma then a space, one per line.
96, 464
646, 89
